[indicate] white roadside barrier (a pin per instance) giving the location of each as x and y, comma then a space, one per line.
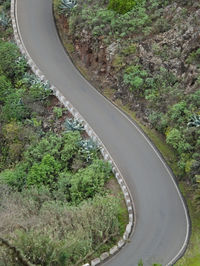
107, 157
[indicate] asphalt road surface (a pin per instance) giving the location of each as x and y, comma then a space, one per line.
161, 231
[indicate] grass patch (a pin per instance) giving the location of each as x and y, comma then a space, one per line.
69, 47
192, 254
116, 191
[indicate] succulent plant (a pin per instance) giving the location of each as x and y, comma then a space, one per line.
73, 124
32, 80
67, 4
194, 121
88, 144
88, 149
4, 20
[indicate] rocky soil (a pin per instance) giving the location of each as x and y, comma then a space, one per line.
149, 59
169, 49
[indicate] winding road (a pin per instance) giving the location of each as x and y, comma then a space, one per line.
162, 228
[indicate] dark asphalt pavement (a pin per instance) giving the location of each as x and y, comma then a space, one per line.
161, 230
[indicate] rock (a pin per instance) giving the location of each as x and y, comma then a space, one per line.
121, 243
95, 262
104, 256
111, 50
45, 125
113, 250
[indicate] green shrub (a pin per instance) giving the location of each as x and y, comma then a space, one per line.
62, 148
58, 112
14, 177
14, 108
194, 57
179, 113
5, 88
9, 59
118, 62
194, 98
11, 132
37, 90
159, 121
131, 49
174, 137
6, 4
70, 145
15, 151
44, 173
134, 77
122, 6
89, 181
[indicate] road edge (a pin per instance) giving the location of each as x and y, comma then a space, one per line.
107, 157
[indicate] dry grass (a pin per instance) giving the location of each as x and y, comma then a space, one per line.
49, 232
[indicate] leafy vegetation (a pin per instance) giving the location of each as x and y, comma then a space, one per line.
55, 204
103, 21
121, 6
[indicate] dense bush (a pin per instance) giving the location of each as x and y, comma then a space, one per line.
134, 76
22, 99
122, 6
11, 63
89, 181
6, 87
14, 108
101, 21
44, 172
49, 163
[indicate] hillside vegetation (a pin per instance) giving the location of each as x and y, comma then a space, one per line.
145, 55
151, 57
56, 205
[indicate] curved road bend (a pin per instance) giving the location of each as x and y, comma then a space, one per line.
161, 230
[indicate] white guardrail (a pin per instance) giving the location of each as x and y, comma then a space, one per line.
127, 196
